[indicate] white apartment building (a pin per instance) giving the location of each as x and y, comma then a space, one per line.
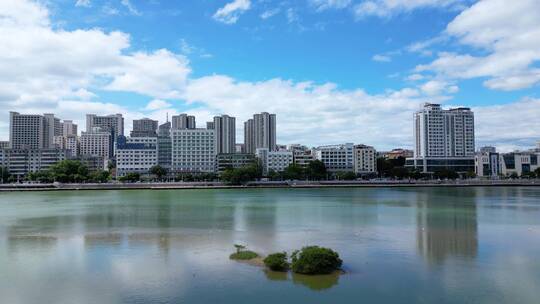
336, 158
96, 143
193, 150
69, 143
444, 139
136, 154
69, 128
20, 162
365, 159
276, 161
260, 132
183, 121
29, 131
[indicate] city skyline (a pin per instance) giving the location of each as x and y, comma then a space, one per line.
244, 57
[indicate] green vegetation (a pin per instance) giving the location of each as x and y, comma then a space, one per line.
277, 261
158, 171
4, 175
68, 171
315, 260
316, 170
348, 175
445, 174
242, 254
240, 176
130, 177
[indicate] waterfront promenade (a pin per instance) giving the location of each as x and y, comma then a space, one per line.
267, 184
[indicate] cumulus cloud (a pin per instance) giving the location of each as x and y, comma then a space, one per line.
230, 13
84, 3
157, 104
388, 8
509, 35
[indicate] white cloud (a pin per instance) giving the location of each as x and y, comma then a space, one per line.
157, 104
381, 58
230, 13
322, 5
509, 35
415, 77
84, 3
389, 8
438, 87
270, 13
130, 7
292, 16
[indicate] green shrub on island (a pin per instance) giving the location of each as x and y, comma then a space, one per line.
277, 261
242, 254
315, 260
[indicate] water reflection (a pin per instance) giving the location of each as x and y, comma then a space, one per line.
313, 282
446, 228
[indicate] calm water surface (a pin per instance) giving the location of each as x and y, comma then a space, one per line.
417, 245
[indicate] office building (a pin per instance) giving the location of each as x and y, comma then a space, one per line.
210, 125
4, 144
336, 158
192, 151
260, 132
225, 134
113, 123
69, 143
276, 161
69, 128
136, 155
444, 139
233, 161
183, 121
302, 158
145, 127
518, 163
239, 148
364, 160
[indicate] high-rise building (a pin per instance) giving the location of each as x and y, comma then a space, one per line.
364, 159
69, 128
113, 123
183, 121
29, 131
444, 139
336, 158
225, 134
136, 154
260, 132
210, 125
97, 143
145, 127
70, 143
192, 151
164, 145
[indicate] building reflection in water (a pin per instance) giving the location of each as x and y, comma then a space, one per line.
446, 227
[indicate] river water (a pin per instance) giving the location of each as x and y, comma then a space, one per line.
399, 245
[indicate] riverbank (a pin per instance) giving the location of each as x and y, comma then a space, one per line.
281, 184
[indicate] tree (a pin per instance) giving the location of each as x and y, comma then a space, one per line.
445, 174
277, 261
316, 170
470, 174
4, 175
537, 172
69, 171
158, 171
347, 175
399, 172
315, 260
130, 177
240, 176
100, 176
293, 172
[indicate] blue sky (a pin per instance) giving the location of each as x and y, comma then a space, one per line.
333, 70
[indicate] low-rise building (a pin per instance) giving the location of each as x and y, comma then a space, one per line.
518, 163
397, 153
276, 161
20, 162
193, 151
486, 163
233, 161
365, 160
135, 155
337, 158
302, 158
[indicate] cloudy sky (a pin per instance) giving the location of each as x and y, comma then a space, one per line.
332, 70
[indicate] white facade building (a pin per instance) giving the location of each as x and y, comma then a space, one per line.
20, 162
365, 159
260, 132
225, 134
276, 161
487, 163
193, 150
183, 121
336, 158
29, 131
136, 154
113, 123
96, 143
69, 128
519, 163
